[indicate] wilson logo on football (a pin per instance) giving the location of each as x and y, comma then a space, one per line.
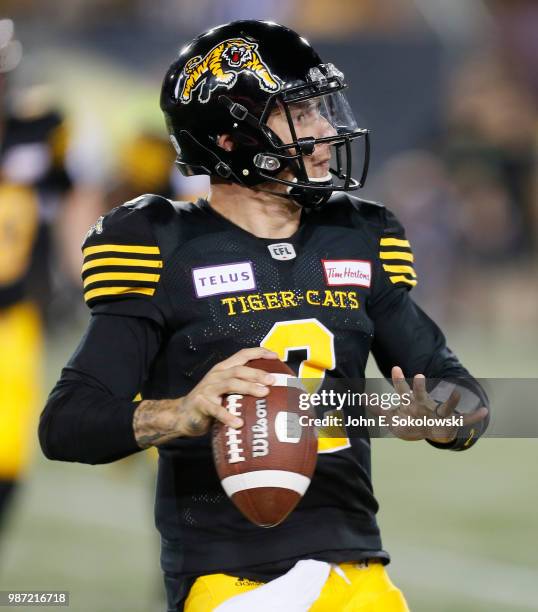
220, 68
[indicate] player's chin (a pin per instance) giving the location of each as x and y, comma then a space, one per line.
319, 171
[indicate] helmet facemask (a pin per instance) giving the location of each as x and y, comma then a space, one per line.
318, 120
308, 130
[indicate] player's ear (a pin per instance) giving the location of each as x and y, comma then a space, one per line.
226, 142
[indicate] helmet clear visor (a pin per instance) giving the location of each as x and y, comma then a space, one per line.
318, 117
312, 128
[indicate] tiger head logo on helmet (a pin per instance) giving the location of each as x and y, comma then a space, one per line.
220, 68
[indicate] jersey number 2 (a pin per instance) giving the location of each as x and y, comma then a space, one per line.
310, 335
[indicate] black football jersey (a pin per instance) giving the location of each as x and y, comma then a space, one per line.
32, 179
323, 299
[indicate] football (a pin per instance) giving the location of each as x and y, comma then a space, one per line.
266, 466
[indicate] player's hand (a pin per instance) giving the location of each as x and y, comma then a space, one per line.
204, 402
422, 405
159, 421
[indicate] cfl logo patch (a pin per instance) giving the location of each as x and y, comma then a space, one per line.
282, 251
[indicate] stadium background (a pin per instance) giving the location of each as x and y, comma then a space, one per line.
450, 91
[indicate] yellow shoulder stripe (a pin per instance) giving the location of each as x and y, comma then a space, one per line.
93, 293
403, 269
403, 279
121, 248
396, 255
121, 276
395, 242
121, 261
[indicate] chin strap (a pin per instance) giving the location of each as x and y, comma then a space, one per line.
313, 198
306, 198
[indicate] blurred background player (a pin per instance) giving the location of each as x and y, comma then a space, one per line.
47, 197
33, 184
146, 165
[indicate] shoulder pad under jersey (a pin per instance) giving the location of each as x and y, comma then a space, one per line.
392, 245
122, 256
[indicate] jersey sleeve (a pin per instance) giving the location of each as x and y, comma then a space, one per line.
122, 267
395, 254
88, 416
404, 335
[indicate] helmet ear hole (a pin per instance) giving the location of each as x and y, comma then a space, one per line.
239, 139
246, 140
226, 142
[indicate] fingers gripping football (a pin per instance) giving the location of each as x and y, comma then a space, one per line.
228, 377
159, 421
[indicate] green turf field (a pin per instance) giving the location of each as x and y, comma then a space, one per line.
462, 527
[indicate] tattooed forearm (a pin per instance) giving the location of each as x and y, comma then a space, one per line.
158, 421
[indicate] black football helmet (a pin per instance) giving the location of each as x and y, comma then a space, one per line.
230, 80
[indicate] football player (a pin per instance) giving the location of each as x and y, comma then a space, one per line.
33, 180
279, 261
